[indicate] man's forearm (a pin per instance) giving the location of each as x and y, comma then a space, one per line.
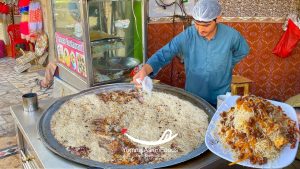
148, 69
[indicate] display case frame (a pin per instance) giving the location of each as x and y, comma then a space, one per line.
74, 77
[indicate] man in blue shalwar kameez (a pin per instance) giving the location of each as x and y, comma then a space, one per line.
210, 50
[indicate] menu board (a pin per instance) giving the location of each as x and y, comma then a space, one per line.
71, 53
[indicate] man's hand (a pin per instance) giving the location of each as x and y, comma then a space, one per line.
145, 71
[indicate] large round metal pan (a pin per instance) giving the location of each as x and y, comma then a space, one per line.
51, 143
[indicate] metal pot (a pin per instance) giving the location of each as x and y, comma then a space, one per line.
51, 143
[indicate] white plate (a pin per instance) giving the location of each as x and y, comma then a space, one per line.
287, 155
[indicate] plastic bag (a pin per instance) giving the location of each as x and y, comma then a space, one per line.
294, 18
147, 84
288, 41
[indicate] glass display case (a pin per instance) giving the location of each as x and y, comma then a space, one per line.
96, 40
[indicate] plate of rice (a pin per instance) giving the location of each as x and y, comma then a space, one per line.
254, 132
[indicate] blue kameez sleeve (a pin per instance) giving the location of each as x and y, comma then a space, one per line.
240, 49
164, 55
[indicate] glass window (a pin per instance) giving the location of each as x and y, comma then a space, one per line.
67, 18
111, 26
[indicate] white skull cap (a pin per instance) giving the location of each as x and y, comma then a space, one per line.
206, 10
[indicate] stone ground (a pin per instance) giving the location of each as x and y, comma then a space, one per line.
12, 87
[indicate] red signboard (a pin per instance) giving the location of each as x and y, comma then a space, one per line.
71, 53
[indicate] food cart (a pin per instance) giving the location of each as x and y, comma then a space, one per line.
97, 41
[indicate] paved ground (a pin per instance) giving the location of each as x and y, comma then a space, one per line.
11, 161
12, 87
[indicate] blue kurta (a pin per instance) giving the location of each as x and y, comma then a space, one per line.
208, 64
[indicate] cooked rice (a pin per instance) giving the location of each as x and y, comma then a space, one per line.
255, 129
72, 123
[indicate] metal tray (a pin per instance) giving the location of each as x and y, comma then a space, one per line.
52, 144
